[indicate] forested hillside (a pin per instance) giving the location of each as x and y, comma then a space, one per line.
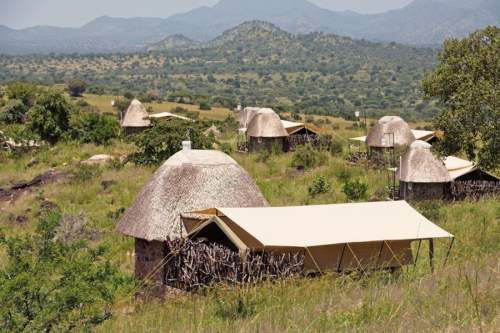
255, 63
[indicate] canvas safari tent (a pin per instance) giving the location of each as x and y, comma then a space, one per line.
135, 119
189, 180
463, 170
333, 237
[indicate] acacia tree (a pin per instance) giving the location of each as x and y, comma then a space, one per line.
467, 85
77, 87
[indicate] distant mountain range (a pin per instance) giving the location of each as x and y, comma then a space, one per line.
422, 22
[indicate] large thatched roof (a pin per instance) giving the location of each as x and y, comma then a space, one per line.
246, 115
379, 135
188, 181
419, 165
136, 115
266, 124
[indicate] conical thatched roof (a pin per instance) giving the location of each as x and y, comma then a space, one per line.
246, 115
191, 180
378, 134
419, 165
136, 115
266, 124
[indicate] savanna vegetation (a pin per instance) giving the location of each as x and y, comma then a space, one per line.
64, 268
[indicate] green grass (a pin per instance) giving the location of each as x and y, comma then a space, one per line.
463, 296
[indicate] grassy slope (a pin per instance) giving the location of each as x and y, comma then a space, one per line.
465, 296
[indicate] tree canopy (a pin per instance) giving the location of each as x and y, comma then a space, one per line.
467, 84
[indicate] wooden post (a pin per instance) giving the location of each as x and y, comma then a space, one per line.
341, 257
449, 251
418, 252
431, 254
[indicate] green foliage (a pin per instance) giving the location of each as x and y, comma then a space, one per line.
466, 83
204, 105
93, 127
343, 174
76, 87
355, 190
83, 173
51, 286
319, 186
49, 118
239, 306
122, 104
162, 140
25, 92
227, 148
336, 148
308, 157
14, 112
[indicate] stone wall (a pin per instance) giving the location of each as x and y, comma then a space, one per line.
258, 144
422, 191
147, 257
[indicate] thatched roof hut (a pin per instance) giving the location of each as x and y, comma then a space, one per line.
136, 116
420, 165
189, 180
246, 115
266, 124
380, 135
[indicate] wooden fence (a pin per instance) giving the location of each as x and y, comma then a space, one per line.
194, 264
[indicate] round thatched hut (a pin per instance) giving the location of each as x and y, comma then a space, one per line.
190, 180
266, 131
389, 132
421, 174
135, 119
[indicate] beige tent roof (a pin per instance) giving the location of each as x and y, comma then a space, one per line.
266, 124
292, 127
458, 167
189, 180
378, 134
419, 135
246, 115
308, 226
162, 115
419, 165
136, 115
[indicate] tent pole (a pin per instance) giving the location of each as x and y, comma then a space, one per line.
341, 258
418, 252
449, 251
394, 254
431, 254
379, 254
356, 258
314, 261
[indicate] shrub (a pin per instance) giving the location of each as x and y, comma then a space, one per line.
355, 190
14, 112
319, 186
84, 173
227, 148
25, 92
204, 105
49, 118
122, 104
93, 127
263, 155
343, 175
76, 87
308, 157
336, 148
162, 140
51, 286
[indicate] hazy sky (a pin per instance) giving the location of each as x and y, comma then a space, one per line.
74, 13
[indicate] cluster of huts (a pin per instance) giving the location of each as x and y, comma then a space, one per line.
420, 173
262, 128
205, 195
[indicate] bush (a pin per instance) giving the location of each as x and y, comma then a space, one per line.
336, 148
308, 157
355, 190
227, 148
319, 186
205, 106
14, 112
263, 156
122, 104
49, 118
162, 140
93, 127
51, 286
25, 92
84, 173
76, 87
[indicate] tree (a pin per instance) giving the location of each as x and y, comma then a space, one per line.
25, 92
467, 85
51, 286
49, 118
93, 127
162, 140
14, 112
76, 87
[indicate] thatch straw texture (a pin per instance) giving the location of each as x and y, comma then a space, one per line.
266, 124
378, 135
246, 115
136, 116
419, 165
188, 181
